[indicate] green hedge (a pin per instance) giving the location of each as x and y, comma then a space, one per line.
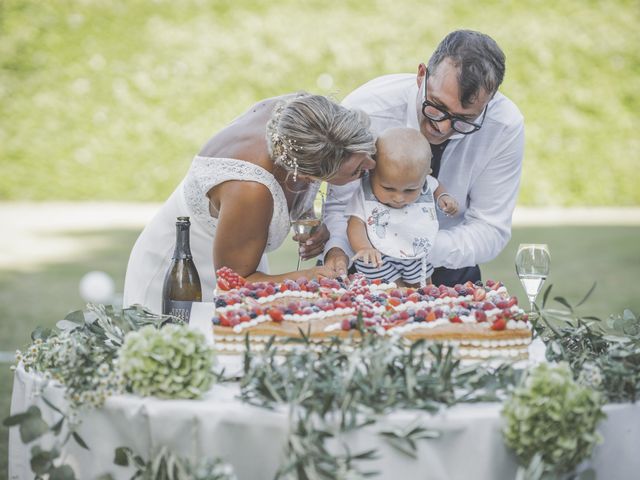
110, 99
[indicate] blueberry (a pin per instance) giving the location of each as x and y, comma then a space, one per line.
253, 315
479, 283
215, 320
220, 303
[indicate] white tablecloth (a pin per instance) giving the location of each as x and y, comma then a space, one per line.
252, 439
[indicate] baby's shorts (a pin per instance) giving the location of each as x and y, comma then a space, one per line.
410, 270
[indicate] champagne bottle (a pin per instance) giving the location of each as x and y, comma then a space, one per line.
182, 282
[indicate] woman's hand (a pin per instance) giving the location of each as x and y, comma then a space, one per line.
369, 256
312, 245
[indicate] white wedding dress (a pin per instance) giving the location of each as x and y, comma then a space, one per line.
151, 255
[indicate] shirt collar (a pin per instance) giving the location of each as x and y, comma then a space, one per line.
413, 114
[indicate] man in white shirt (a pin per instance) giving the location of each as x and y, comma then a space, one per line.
477, 134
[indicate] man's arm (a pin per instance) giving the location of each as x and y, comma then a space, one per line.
486, 227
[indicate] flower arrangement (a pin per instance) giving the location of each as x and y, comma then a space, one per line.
76, 358
550, 420
173, 362
553, 416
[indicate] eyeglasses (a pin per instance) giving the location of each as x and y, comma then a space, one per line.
436, 114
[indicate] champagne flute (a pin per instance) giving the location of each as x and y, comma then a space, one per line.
306, 213
532, 266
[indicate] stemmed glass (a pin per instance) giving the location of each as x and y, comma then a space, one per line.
532, 266
306, 213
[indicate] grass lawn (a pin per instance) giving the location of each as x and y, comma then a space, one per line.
94, 93
579, 256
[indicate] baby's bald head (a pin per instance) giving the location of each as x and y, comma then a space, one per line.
403, 151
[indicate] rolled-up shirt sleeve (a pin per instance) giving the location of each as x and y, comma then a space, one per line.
338, 198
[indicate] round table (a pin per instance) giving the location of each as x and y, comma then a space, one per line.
253, 439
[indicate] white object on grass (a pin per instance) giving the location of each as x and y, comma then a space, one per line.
97, 287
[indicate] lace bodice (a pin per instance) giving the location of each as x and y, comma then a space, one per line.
207, 172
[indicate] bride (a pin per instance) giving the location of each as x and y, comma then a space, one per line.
241, 186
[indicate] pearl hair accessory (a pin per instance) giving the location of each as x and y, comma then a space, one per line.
282, 147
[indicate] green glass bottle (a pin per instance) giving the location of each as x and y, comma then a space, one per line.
182, 282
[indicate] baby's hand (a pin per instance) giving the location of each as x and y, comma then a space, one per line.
370, 256
448, 204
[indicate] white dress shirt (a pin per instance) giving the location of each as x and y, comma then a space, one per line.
481, 170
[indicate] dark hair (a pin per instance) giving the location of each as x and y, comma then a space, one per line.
479, 60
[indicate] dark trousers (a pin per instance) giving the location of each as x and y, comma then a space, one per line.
449, 276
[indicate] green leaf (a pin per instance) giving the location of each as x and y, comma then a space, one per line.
58, 426
41, 333
63, 472
122, 455
76, 317
79, 440
14, 420
42, 460
32, 426
564, 302
593, 287
51, 405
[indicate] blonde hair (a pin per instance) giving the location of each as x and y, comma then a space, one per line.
312, 135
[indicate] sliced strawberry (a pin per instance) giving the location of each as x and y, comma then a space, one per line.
275, 314
501, 304
224, 321
480, 316
499, 324
394, 301
414, 297
479, 294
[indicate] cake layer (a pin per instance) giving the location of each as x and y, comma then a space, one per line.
480, 321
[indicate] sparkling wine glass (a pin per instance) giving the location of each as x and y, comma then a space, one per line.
532, 266
306, 213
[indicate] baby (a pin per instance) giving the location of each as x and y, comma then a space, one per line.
392, 217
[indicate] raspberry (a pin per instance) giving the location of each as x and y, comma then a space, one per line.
227, 279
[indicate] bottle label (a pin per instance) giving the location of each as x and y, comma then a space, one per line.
180, 309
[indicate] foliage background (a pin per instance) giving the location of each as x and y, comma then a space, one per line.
110, 99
